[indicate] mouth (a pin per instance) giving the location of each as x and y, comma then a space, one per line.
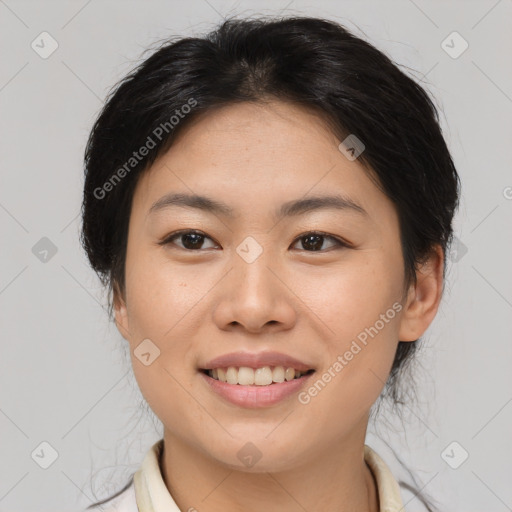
263, 376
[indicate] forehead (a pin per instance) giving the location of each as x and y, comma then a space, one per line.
252, 153
274, 125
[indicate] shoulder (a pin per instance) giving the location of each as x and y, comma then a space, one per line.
122, 502
387, 487
125, 500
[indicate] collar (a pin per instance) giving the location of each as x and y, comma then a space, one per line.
152, 495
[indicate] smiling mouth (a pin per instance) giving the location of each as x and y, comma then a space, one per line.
264, 376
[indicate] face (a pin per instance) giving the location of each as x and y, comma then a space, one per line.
321, 284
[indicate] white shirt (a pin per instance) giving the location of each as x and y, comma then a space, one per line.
148, 492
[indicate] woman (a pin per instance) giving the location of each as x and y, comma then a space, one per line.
271, 207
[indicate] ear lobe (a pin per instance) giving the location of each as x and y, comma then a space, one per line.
424, 298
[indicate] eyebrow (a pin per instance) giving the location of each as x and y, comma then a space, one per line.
288, 209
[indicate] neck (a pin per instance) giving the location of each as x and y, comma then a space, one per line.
335, 481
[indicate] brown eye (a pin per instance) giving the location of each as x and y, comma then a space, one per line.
190, 240
314, 241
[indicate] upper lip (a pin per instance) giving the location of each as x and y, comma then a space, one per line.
256, 360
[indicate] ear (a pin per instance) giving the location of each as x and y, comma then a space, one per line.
423, 297
121, 313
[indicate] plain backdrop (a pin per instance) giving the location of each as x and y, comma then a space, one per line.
68, 399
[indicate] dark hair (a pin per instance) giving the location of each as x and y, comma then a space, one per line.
310, 62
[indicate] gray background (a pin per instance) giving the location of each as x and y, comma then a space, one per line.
65, 376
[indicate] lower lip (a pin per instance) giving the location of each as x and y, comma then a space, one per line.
256, 396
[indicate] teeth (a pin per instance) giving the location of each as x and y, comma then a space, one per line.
246, 376
263, 376
278, 374
260, 377
289, 374
232, 375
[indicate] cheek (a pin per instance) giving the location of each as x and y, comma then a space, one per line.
358, 359
163, 306
360, 309
353, 295
162, 296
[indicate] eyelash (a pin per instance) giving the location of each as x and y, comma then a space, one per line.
176, 234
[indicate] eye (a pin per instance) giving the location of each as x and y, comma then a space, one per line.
314, 240
191, 239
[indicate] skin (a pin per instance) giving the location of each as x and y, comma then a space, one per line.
197, 304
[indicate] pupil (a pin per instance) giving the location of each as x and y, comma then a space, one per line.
315, 246
197, 240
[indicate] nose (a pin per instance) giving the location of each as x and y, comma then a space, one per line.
255, 297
